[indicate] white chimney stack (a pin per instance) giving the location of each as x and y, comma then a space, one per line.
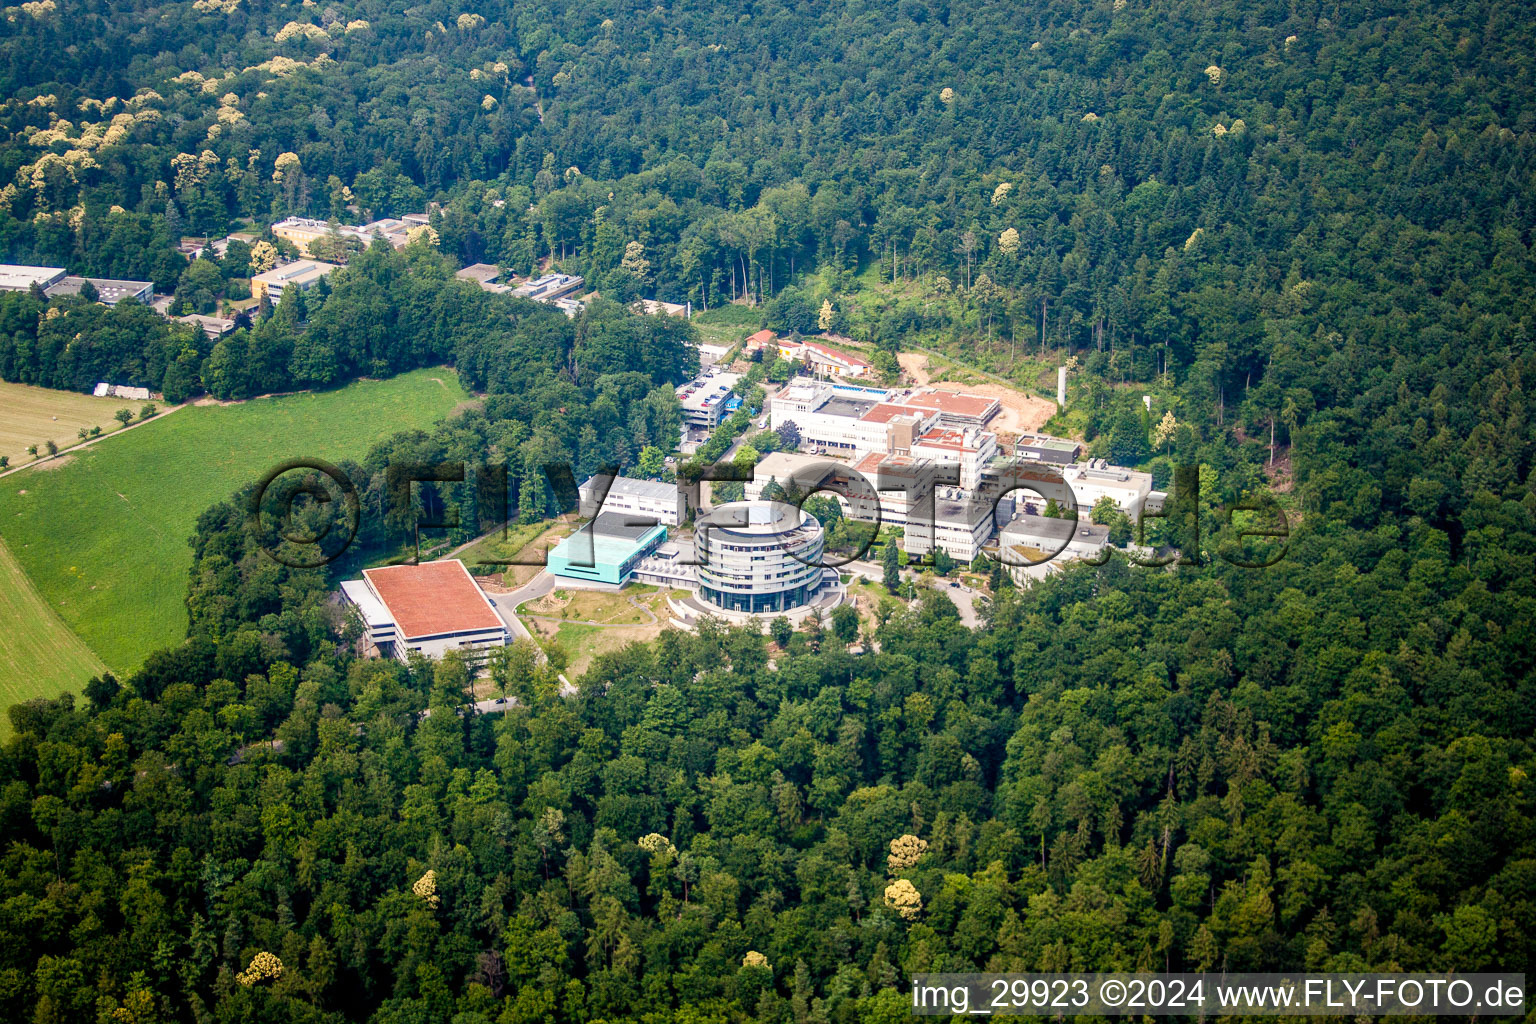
1061, 386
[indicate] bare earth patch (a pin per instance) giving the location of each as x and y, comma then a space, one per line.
1021, 413
914, 365
48, 465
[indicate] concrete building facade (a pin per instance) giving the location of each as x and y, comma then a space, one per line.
969, 449
635, 499
1096, 479
759, 557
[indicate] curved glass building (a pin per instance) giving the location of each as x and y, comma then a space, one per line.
758, 556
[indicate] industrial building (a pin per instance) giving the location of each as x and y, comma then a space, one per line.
1029, 539
634, 499
429, 609
109, 291
759, 557
1032, 546
606, 550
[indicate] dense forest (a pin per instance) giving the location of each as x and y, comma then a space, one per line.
1306, 228
1325, 765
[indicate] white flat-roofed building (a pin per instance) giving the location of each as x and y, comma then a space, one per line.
710, 353
667, 567
18, 278
549, 287
1058, 451
806, 472
797, 399
635, 499
105, 390
484, 275
428, 609
706, 399
901, 483
377, 622
1097, 479
655, 307
970, 449
213, 326
961, 526
847, 418
302, 274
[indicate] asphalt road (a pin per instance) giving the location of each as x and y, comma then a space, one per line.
963, 596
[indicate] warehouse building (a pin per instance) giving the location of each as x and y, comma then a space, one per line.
1032, 546
18, 278
109, 291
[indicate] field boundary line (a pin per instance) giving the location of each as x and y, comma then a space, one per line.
9, 563
72, 449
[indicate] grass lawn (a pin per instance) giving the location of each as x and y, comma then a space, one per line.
568, 619
492, 552
104, 536
727, 325
50, 658
582, 642
30, 415
606, 607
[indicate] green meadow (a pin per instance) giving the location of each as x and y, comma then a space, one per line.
102, 535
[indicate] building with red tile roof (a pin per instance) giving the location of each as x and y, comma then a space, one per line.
429, 608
